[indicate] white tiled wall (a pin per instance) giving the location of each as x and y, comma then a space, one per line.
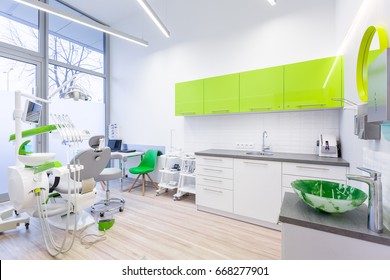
295, 132
379, 161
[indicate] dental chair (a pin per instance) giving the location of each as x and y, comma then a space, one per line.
82, 184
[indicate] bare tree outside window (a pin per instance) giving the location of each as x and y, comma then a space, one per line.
61, 49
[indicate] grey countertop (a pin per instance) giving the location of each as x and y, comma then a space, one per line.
351, 224
283, 157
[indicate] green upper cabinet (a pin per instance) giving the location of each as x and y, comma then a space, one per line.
313, 84
189, 98
262, 90
221, 94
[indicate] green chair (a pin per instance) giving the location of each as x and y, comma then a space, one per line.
146, 166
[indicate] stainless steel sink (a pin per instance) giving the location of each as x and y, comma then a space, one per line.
258, 153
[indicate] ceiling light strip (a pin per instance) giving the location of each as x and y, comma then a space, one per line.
154, 17
84, 21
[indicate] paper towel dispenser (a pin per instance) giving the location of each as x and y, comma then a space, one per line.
378, 89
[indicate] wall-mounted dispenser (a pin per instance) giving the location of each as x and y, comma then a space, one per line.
364, 129
378, 92
378, 88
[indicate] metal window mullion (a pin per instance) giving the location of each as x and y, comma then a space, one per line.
107, 81
80, 69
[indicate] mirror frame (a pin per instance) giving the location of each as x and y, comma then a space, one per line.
362, 61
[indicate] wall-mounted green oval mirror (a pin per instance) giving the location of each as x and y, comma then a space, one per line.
368, 54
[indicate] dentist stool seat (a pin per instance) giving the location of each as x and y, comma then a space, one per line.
146, 166
109, 203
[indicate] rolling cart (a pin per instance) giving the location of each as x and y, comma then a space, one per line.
186, 184
169, 173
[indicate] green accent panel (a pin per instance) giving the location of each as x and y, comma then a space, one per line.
221, 94
313, 84
329, 196
189, 98
364, 58
46, 166
262, 90
22, 148
35, 131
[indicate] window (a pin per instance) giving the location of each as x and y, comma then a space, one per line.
19, 25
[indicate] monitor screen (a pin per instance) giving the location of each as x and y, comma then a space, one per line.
115, 145
32, 112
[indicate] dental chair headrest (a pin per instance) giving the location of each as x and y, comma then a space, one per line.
95, 142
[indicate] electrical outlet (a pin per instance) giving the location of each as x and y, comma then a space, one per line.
245, 146
239, 146
251, 146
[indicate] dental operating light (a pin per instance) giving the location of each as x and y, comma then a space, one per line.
272, 2
83, 21
154, 17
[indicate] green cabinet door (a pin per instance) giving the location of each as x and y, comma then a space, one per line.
189, 98
314, 84
262, 90
221, 94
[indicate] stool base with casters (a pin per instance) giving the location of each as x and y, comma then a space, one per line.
109, 203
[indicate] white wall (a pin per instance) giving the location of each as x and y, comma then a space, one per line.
212, 38
362, 152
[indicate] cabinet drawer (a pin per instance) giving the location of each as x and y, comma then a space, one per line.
288, 179
212, 171
215, 161
315, 170
215, 198
215, 182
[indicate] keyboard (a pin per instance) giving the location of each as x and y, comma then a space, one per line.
127, 151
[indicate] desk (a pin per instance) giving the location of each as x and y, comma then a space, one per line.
123, 158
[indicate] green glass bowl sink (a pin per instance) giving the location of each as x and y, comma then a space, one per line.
330, 197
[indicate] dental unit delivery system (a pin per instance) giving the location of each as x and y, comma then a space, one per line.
28, 180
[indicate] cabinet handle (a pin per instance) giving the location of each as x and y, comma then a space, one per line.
187, 113
311, 105
255, 163
213, 180
211, 190
210, 169
260, 108
220, 111
315, 168
213, 159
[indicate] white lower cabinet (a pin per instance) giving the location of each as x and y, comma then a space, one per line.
257, 187
214, 183
252, 190
292, 171
215, 198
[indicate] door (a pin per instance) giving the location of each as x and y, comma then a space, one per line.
314, 84
262, 90
221, 94
189, 98
257, 189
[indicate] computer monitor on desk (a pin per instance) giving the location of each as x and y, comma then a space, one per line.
115, 145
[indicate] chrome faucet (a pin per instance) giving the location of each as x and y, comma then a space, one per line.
375, 210
264, 147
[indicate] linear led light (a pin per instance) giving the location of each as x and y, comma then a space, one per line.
272, 2
83, 21
154, 17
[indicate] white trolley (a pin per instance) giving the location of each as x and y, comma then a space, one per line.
186, 184
169, 173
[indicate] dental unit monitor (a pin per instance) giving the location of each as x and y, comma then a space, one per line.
32, 112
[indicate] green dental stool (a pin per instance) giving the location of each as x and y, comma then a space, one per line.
146, 166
